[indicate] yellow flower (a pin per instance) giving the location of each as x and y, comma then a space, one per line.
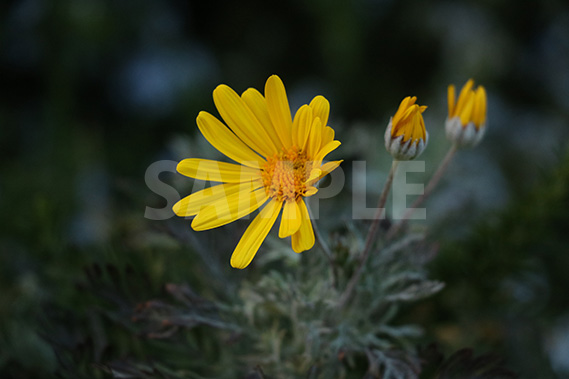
406, 136
466, 122
280, 161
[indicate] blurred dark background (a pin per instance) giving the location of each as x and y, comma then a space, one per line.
93, 92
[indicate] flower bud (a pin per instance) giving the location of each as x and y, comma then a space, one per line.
406, 136
466, 122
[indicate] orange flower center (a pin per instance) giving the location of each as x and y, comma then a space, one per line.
285, 174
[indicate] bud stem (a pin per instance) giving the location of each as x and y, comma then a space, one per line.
430, 187
370, 239
323, 246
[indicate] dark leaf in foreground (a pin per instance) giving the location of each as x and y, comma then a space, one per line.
463, 364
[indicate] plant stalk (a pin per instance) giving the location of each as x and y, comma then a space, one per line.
430, 187
370, 239
323, 246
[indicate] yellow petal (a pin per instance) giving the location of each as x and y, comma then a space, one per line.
310, 191
220, 137
423, 129
258, 105
242, 121
255, 235
418, 131
301, 126
314, 174
327, 136
279, 109
451, 96
484, 100
325, 169
328, 167
228, 209
321, 108
325, 151
403, 107
479, 111
463, 97
315, 138
303, 239
205, 169
191, 205
465, 112
290, 220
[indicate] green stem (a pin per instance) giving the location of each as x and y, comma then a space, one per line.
430, 187
323, 246
370, 239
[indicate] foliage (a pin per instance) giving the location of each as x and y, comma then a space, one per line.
286, 323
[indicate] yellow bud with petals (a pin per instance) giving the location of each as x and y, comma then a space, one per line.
406, 136
466, 122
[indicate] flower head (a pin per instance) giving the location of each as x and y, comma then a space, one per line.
280, 160
466, 122
406, 136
